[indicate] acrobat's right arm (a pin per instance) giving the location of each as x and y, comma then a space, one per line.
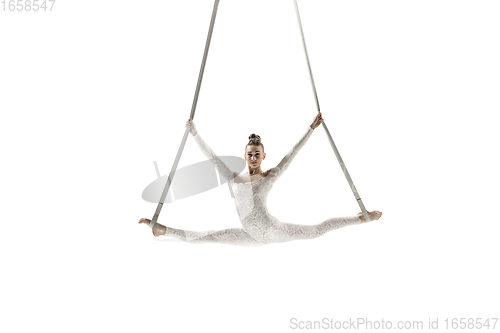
210, 154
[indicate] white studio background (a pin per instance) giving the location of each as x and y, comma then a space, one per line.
92, 92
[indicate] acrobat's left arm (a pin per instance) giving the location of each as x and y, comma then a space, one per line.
285, 162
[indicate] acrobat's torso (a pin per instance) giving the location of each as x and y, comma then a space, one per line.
250, 197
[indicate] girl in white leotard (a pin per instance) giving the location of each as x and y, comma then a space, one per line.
250, 193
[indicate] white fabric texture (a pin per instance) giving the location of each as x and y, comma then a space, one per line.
259, 226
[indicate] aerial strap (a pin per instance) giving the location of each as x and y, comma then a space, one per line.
342, 165
193, 108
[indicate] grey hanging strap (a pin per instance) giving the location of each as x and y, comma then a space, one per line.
344, 169
193, 108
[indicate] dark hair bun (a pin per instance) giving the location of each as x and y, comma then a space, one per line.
254, 140
253, 136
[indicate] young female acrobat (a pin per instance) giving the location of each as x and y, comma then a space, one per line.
250, 191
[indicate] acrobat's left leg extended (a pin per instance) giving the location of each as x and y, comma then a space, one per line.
287, 231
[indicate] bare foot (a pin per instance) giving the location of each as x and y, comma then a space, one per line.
375, 215
158, 229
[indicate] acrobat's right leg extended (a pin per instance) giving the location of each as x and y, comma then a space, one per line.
233, 236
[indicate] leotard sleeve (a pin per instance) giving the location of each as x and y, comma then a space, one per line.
210, 154
285, 162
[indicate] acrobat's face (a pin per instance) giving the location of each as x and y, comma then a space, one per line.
254, 156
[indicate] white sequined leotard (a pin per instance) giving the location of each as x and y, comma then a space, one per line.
259, 226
